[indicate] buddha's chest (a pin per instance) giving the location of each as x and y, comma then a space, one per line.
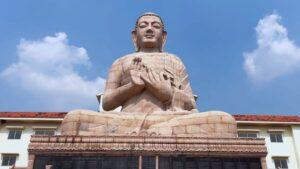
160, 64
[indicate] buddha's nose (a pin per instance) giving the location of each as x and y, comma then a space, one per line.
149, 29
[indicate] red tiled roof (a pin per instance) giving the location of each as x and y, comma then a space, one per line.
271, 118
32, 114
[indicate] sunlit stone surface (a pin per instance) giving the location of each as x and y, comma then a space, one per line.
153, 89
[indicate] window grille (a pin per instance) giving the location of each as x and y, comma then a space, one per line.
44, 132
9, 159
247, 134
280, 163
14, 134
276, 137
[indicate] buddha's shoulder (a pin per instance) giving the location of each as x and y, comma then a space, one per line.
125, 58
172, 56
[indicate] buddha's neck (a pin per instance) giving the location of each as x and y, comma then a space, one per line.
149, 50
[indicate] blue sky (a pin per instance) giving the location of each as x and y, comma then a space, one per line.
243, 57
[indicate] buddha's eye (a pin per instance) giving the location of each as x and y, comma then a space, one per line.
156, 25
143, 25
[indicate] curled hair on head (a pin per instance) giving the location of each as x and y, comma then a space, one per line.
150, 14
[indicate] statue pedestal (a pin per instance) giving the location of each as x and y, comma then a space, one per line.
145, 152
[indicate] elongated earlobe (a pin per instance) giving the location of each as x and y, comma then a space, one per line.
134, 40
164, 39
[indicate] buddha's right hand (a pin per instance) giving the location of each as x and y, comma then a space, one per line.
158, 86
136, 80
135, 72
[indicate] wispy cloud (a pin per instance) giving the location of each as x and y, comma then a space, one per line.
275, 56
47, 67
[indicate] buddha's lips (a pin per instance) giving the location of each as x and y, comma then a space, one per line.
149, 36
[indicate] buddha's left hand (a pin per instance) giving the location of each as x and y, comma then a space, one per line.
158, 86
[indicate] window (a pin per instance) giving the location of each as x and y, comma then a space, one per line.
8, 159
247, 134
276, 137
14, 134
44, 132
280, 163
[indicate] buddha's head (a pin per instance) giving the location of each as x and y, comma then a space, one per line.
149, 34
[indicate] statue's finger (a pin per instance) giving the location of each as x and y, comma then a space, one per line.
134, 65
145, 79
151, 75
156, 76
161, 76
137, 65
145, 68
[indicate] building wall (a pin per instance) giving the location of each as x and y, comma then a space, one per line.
290, 147
19, 146
285, 149
296, 137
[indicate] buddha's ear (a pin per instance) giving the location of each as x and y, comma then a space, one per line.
134, 40
164, 39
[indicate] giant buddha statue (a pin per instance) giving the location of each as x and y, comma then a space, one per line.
153, 90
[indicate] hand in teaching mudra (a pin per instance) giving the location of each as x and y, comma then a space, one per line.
158, 85
135, 72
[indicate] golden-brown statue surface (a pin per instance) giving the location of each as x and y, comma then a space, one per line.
148, 82
155, 94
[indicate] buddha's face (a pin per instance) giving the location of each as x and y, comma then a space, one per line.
149, 33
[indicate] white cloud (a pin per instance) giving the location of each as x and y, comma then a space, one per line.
47, 68
276, 55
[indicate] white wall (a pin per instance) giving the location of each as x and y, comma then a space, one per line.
296, 137
19, 146
285, 149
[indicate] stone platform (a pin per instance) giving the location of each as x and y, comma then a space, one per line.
144, 151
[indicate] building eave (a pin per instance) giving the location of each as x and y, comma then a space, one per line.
268, 122
31, 119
